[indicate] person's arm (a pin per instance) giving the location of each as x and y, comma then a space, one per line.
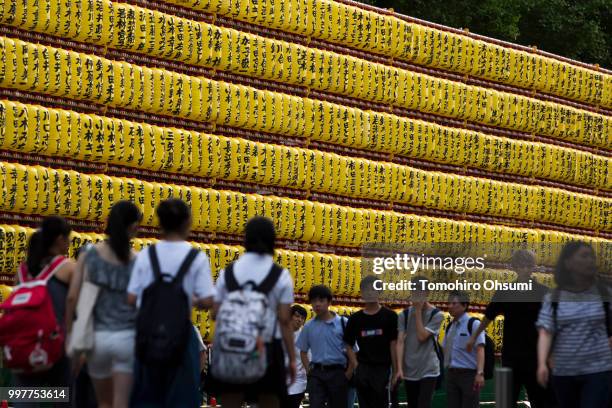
219, 294
135, 285
204, 288
204, 303
422, 334
305, 362
480, 360
399, 345
544, 344
546, 327
284, 320
394, 365
303, 345
352, 362
392, 329
131, 299
481, 328
76, 281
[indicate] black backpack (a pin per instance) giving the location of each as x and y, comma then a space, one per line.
489, 364
436, 344
163, 324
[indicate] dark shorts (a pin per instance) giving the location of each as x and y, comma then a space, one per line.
274, 380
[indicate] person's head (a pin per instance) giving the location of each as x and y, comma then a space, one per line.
523, 262
174, 218
259, 236
51, 239
576, 265
320, 297
298, 316
122, 227
368, 293
458, 303
419, 295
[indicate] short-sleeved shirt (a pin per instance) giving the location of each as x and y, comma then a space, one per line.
324, 339
458, 331
373, 334
520, 334
171, 254
420, 358
256, 267
580, 336
112, 311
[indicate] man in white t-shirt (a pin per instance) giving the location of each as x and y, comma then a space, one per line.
255, 265
171, 252
152, 386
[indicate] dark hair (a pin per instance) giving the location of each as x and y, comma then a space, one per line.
367, 282
461, 296
173, 215
564, 278
259, 236
320, 292
522, 257
299, 310
122, 215
417, 279
42, 240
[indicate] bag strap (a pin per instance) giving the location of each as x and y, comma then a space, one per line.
471, 324
406, 311
47, 272
154, 262
268, 283
230, 279
191, 256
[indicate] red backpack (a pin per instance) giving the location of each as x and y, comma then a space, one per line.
30, 335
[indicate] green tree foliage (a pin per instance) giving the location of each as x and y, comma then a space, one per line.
578, 29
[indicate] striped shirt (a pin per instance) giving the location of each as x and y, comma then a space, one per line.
580, 336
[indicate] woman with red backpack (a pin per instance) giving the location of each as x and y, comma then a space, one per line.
32, 328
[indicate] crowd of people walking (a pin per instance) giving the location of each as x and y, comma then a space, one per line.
123, 320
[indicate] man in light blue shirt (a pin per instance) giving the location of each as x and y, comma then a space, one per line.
465, 369
329, 371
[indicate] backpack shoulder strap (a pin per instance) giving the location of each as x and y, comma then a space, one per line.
433, 313
230, 279
154, 262
270, 280
471, 324
343, 321
406, 311
606, 305
52, 267
191, 256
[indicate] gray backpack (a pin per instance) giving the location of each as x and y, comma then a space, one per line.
244, 326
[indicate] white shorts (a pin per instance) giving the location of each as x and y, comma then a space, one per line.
113, 353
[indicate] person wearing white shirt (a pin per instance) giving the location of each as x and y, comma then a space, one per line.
152, 386
296, 391
254, 266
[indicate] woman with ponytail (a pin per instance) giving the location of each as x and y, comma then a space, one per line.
46, 259
257, 266
108, 265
